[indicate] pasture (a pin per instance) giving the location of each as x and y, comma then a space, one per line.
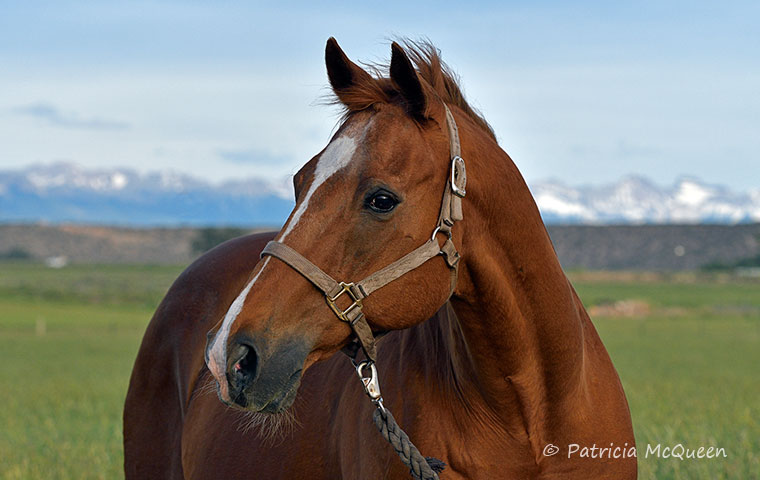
687, 355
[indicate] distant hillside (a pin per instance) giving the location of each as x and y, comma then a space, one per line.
98, 244
653, 247
64, 192
646, 247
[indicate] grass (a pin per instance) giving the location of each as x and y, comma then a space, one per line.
689, 368
692, 381
69, 337
113, 285
61, 412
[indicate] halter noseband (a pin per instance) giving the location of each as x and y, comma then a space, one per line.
451, 211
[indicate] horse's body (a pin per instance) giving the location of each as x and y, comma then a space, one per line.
508, 366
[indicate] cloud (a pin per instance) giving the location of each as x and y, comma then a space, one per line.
53, 116
252, 156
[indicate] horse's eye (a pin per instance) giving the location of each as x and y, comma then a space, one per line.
382, 202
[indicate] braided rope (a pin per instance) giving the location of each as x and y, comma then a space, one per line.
421, 468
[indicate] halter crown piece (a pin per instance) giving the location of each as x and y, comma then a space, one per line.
451, 211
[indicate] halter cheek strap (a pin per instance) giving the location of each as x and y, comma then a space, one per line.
355, 293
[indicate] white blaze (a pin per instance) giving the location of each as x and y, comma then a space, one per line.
218, 353
336, 156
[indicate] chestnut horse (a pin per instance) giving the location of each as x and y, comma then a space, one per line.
492, 378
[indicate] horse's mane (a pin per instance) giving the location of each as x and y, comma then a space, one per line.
436, 77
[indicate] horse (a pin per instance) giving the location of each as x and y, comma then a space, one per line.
484, 351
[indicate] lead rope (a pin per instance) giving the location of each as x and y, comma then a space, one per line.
420, 467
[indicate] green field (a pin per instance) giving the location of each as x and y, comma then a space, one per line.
68, 337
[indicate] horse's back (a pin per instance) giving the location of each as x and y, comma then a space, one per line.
170, 358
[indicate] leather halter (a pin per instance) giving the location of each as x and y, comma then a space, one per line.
451, 211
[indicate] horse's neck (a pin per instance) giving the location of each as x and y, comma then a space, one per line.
518, 316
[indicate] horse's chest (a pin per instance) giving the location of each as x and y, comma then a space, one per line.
334, 438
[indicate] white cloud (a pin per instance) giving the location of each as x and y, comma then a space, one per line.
53, 116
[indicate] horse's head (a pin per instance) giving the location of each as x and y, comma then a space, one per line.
370, 197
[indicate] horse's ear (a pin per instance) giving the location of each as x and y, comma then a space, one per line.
405, 77
342, 72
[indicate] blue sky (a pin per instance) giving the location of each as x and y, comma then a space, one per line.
584, 92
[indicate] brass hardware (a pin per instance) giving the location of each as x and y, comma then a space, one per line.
356, 301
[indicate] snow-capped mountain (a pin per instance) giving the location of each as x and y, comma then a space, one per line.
64, 192
635, 200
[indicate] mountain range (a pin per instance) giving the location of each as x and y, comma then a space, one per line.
637, 200
65, 192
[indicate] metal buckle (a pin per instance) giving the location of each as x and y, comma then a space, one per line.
458, 176
356, 301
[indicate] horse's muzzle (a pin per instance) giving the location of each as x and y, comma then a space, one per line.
262, 377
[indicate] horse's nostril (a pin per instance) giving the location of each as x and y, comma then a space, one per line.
243, 364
